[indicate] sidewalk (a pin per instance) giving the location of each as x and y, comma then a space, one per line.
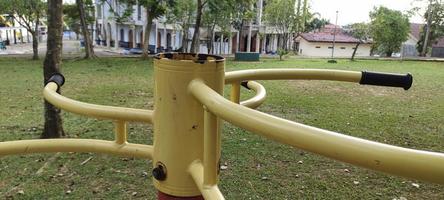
14, 49
69, 47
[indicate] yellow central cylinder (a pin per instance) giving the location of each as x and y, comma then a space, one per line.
179, 117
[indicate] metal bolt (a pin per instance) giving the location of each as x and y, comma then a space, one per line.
159, 172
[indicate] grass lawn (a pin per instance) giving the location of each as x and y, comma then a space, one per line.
257, 168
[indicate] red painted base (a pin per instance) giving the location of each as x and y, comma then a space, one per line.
163, 196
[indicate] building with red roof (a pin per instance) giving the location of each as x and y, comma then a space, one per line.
320, 44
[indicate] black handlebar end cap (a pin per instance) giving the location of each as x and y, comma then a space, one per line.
57, 78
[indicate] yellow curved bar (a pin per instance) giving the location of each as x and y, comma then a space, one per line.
259, 98
423, 165
287, 74
93, 110
76, 145
212, 192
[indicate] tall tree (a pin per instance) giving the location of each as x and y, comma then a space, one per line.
430, 12
315, 23
85, 19
281, 14
182, 15
304, 16
72, 19
217, 15
242, 12
28, 14
53, 61
78, 16
154, 9
389, 29
434, 28
195, 41
360, 31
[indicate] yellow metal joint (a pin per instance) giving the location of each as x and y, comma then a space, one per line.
120, 132
235, 92
211, 137
211, 192
93, 110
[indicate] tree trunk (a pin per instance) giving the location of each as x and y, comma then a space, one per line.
21, 36
89, 49
35, 40
209, 40
185, 41
240, 36
428, 25
298, 16
146, 42
196, 35
35, 46
53, 60
304, 16
354, 51
212, 39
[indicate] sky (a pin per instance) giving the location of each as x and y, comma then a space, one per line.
352, 11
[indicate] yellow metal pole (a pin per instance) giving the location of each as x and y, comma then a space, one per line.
258, 99
211, 153
75, 145
235, 92
210, 192
291, 74
92, 110
120, 132
179, 118
422, 165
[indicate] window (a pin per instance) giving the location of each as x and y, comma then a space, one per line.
342, 47
139, 12
330, 47
122, 35
318, 47
99, 11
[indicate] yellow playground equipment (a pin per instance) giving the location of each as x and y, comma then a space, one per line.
187, 115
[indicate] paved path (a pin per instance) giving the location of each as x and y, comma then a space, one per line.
70, 48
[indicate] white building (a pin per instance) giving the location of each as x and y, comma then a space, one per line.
320, 44
166, 37
11, 32
130, 33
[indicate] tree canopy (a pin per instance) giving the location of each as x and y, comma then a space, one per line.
72, 15
389, 29
435, 19
281, 14
28, 14
360, 31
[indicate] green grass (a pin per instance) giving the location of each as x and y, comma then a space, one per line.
257, 168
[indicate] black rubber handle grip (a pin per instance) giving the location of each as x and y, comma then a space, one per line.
57, 78
387, 79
